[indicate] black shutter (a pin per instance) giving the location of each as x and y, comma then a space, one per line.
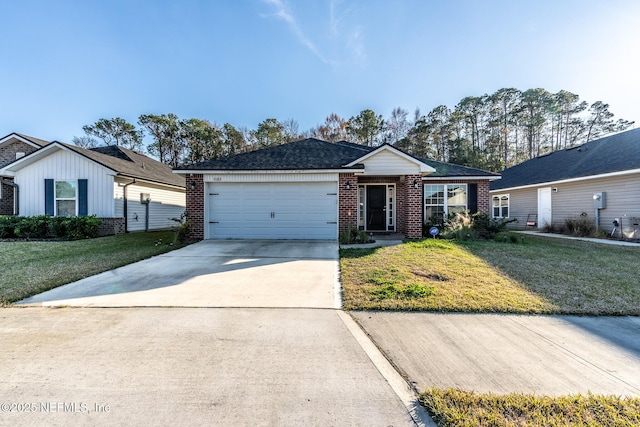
472, 198
49, 201
83, 209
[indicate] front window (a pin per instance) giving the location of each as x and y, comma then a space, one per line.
441, 200
501, 206
66, 196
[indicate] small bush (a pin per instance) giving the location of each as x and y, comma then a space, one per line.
33, 227
183, 229
8, 226
580, 227
81, 227
353, 235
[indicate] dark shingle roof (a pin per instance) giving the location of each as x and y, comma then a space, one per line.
313, 153
309, 153
130, 164
37, 141
613, 153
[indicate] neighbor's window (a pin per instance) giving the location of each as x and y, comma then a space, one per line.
66, 196
441, 200
501, 206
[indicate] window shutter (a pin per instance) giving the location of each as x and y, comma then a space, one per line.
83, 209
49, 201
472, 198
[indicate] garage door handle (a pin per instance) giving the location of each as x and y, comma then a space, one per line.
332, 222
214, 222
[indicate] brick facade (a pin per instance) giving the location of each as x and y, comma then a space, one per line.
8, 155
195, 204
413, 206
111, 226
347, 202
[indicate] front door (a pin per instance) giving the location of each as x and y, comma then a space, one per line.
376, 207
544, 207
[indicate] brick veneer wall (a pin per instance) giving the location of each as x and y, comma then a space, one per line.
110, 226
8, 152
484, 201
413, 207
195, 205
6, 199
347, 202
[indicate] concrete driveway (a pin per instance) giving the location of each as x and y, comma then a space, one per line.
221, 273
552, 355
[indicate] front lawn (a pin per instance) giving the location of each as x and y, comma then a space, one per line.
28, 268
454, 407
541, 275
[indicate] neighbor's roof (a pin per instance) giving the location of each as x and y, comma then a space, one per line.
614, 153
131, 164
120, 160
35, 141
314, 154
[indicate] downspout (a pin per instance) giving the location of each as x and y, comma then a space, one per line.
124, 205
16, 194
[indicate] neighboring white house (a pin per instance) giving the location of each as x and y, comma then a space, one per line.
128, 191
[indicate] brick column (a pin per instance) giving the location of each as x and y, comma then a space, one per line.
413, 207
195, 205
484, 200
347, 202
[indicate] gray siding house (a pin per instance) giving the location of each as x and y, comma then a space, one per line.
570, 183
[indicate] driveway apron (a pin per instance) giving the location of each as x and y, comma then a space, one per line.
224, 273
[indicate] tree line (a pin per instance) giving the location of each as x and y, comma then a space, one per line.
490, 132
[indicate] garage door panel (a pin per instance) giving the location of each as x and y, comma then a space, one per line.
272, 210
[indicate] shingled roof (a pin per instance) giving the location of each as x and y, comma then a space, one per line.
614, 153
314, 154
130, 164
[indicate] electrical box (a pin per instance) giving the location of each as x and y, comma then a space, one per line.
600, 200
145, 198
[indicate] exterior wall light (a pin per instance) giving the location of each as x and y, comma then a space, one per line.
415, 184
348, 185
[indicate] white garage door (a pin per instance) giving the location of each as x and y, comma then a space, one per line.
291, 210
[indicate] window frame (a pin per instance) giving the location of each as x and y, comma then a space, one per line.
56, 198
445, 196
500, 206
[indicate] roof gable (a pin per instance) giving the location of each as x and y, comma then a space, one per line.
137, 166
29, 140
388, 160
612, 154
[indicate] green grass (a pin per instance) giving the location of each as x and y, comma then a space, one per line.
452, 407
541, 275
28, 268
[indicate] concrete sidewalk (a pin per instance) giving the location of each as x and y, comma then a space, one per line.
551, 355
189, 366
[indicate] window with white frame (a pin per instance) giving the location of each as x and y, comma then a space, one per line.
500, 206
441, 200
66, 198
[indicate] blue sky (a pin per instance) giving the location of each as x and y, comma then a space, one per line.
68, 63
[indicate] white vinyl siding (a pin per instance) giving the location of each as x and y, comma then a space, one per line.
166, 203
62, 166
388, 163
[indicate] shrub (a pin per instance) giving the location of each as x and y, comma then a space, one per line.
580, 227
33, 227
353, 235
8, 226
183, 229
81, 227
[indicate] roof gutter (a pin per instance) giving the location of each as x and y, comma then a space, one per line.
16, 195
